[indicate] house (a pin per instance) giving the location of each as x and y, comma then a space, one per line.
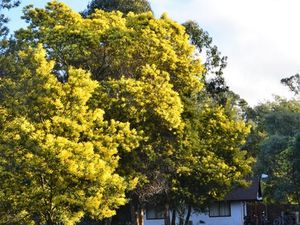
231, 211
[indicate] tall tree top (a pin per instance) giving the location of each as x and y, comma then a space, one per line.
125, 6
293, 83
5, 4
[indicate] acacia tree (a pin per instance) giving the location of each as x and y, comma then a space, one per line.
58, 156
148, 76
216, 91
213, 161
144, 65
215, 63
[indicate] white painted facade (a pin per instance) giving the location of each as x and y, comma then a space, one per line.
237, 208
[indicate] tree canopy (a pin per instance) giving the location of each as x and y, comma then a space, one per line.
58, 156
278, 155
6, 4
293, 83
124, 6
143, 72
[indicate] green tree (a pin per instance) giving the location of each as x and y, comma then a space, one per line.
293, 83
214, 63
5, 5
215, 86
279, 123
124, 6
213, 157
294, 157
58, 156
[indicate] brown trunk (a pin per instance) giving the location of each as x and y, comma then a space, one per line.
173, 221
188, 215
137, 219
141, 216
167, 214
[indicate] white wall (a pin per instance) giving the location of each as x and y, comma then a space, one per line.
236, 218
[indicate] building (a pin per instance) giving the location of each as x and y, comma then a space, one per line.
231, 211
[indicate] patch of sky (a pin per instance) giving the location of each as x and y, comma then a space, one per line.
15, 21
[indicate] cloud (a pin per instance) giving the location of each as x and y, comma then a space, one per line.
260, 38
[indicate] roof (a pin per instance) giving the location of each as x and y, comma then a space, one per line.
250, 193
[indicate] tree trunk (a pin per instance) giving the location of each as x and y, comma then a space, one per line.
107, 221
137, 218
167, 214
181, 216
294, 175
132, 214
188, 215
173, 221
181, 220
49, 220
141, 216
298, 199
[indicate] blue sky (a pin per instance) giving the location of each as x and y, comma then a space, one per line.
260, 38
16, 13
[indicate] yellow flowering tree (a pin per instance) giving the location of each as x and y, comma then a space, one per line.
212, 158
143, 64
149, 76
58, 156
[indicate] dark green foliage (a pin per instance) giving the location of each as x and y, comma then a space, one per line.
6, 4
214, 82
278, 126
125, 6
296, 153
215, 63
293, 83
284, 123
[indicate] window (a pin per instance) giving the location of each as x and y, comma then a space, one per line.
154, 213
219, 209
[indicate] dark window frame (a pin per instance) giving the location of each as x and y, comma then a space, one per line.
154, 218
225, 204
